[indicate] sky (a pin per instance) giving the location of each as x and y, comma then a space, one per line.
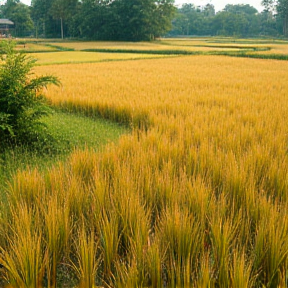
219, 4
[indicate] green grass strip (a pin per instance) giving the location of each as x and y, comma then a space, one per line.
69, 131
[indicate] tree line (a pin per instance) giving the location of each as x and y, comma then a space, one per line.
131, 20
234, 20
135, 20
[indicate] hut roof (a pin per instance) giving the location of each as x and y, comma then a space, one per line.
6, 22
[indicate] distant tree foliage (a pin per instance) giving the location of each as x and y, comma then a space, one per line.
240, 20
132, 20
281, 7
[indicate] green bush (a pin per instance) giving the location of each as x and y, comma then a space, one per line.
22, 103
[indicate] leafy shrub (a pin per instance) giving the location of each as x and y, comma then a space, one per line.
22, 103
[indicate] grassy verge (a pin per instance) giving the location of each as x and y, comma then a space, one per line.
68, 131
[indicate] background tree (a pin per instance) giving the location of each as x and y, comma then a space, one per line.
269, 24
237, 20
136, 20
90, 20
234, 20
162, 15
281, 8
188, 20
43, 21
63, 10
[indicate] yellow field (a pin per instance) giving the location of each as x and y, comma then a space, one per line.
191, 45
280, 48
81, 57
158, 45
196, 196
205, 42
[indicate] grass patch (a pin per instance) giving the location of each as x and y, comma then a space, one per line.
66, 133
74, 130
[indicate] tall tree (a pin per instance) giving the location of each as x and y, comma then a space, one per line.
281, 7
136, 20
163, 14
187, 19
209, 10
40, 12
94, 19
62, 10
236, 20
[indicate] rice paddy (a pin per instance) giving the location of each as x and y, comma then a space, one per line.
195, 196
146, 46
82, 57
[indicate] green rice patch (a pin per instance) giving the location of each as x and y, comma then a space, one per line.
67, 132
78, 131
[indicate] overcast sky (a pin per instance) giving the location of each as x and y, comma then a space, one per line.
219, 4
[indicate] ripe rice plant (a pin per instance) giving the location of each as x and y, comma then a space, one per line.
24, 257
86, 255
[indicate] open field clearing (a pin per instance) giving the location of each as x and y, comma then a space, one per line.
82, 57
196, 196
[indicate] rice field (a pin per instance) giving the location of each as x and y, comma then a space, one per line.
195, 196
170, 46
276, 49
165, 46
161, 45
82, 57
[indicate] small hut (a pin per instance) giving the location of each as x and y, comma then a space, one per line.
5, 26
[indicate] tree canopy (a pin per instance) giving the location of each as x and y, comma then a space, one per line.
131, 20
281, 7
136, 20
241, 20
